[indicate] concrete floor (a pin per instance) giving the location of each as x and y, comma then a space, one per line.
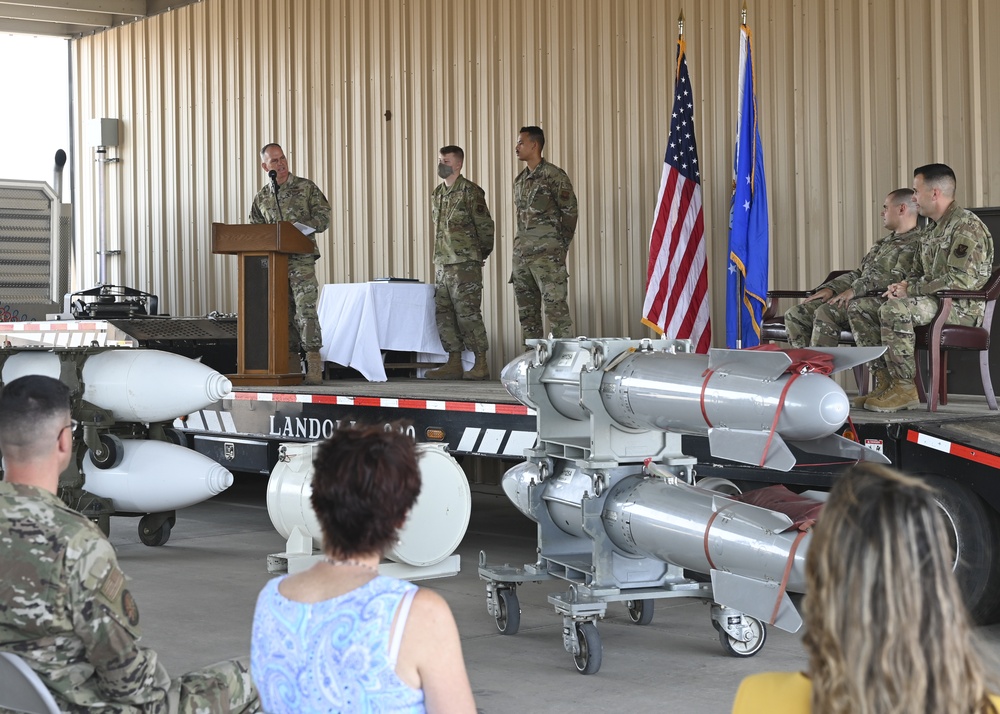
196, 597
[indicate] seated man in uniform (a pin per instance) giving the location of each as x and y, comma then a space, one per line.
65, 606
956, 253
819, 319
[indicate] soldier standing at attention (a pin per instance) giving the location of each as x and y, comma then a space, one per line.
956, 253
65, 606
546, 220
463, 240
292, 198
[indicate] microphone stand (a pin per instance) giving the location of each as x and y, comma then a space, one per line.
274, 187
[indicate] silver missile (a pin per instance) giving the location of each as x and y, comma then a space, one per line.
744, 548
745, 401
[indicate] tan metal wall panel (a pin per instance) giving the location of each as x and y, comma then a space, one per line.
852, 96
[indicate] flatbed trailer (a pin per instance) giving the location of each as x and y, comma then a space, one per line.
957, 448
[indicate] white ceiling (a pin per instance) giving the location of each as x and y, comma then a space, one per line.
74, 18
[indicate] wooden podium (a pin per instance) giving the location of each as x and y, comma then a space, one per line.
262, 320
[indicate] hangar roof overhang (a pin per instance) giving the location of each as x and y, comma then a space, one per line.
76, 18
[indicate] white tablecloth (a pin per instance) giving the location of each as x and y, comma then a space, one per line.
360, 320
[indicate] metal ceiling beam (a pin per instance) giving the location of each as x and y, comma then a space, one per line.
135, 8
10, 11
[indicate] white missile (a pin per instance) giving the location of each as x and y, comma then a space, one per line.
155, 476
149, 385
133, 384
32, 362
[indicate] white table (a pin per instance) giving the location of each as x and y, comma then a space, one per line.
360, 320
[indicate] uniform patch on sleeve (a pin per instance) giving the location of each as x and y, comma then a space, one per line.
130, 608
961, 250
113, 584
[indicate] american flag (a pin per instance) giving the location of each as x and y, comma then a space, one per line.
676, 303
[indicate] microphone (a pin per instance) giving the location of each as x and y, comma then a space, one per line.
273, 175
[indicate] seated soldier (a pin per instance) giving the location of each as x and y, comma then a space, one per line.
65, 606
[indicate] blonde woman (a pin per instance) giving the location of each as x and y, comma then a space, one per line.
886, 628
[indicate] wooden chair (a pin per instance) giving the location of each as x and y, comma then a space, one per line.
939, 338
773, 329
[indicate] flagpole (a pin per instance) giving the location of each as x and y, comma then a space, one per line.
740, 282
680, 25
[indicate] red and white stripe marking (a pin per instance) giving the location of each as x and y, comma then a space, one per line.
950, 447
59, 326
387, 402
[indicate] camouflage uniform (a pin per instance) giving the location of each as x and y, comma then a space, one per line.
65, 608
956, 253
301, 202
819, 324
546, 220
463, 239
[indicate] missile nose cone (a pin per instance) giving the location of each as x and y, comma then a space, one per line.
514, 378
515, 484
815, 406
834, 408
218, 387
219, 479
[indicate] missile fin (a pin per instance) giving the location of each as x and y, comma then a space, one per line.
756, 598
836, 445
762, 364
850, 357
747, 447
764, 518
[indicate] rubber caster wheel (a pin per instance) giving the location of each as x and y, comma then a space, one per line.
588, 661
640, 611
113, 451
509, 612
737, 648
152, 535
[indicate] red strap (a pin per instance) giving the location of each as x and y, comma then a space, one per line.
777, 415
803, 529
701, 398
708, 527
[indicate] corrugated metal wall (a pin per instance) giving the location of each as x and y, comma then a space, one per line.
852, 96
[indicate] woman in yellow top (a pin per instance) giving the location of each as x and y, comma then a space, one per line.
886, 628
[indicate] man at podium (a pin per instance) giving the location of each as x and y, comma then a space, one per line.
287, 197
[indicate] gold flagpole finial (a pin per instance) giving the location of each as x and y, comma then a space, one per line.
743, 13
680, 25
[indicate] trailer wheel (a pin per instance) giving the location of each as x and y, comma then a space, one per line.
640, 611
588, 661
508, 612
737, 648
975, 534
112, 452
152, 534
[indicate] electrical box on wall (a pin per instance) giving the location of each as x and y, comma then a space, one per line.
102, 132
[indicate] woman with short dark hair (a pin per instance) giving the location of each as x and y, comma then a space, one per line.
339, 636
886, 627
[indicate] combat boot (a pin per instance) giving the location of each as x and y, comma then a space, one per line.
899, 396
452, 369
314, 368
480, 370
880, 383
